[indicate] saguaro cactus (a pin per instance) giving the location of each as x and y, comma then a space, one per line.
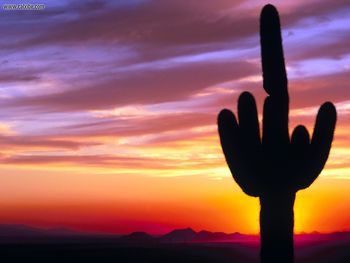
275, 166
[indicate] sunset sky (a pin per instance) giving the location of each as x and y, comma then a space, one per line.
108, 111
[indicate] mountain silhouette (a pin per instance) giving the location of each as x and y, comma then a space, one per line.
185, 235
179, 235
137, 238
206, 236
19, 230
180, 245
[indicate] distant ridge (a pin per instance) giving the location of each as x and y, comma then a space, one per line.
179, 236
18, 232
24, 233
189, 235
137, 238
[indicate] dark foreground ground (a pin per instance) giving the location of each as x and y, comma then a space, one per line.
102, 251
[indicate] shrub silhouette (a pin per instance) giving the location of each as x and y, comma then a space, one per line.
275, 166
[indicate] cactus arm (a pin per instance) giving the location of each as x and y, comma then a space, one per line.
250, 138
231, 142
300, 157
323, 134
274, 73
300, 138
276, 106
321, 142
248, 121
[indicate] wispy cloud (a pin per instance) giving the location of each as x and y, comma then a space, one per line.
133, 87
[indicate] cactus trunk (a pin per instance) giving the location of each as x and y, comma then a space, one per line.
276, 228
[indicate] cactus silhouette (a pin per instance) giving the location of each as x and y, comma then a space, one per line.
275, 166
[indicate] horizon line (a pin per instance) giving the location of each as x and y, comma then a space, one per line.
78, 231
